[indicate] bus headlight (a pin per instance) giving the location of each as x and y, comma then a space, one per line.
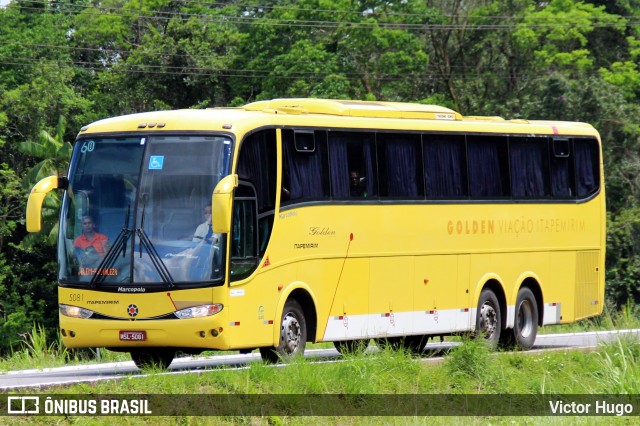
75, 311
199, 311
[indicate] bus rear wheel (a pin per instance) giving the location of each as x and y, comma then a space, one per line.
525, 328
489, 318
293, 334
152, 358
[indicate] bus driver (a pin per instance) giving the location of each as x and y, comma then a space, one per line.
90, 246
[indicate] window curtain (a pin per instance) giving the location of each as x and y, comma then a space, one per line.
528, 168
560, 183
586, 165
485, 177
305, 170
401, 167
338, 166
444, 165
368, 151
253, 168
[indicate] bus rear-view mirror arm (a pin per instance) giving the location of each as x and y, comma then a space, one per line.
221, 202
36, 197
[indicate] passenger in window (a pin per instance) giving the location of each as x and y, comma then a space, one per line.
357, 185
204, 231
90, 246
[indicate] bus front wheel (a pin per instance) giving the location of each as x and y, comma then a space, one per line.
293, 334
153, 358
489, 318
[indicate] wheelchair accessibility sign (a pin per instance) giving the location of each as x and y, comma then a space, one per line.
156, 162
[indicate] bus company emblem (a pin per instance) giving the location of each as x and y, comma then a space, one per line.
132, 310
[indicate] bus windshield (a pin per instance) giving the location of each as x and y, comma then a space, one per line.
138, 211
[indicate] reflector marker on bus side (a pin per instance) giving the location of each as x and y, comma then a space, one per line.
344, 319
234, 323
268, 322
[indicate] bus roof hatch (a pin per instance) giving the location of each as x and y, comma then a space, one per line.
355, 108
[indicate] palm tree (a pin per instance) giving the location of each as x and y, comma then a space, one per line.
54, 154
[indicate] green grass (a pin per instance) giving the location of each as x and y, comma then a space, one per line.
468, 369
37, 352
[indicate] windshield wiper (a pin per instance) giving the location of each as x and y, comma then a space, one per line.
120, 244
110, 257
156, 260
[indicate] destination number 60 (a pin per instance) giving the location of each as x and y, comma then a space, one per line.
87, 146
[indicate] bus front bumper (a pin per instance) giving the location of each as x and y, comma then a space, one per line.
204, 333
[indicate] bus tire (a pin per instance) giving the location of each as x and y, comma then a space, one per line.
413, 344
293, 334
525, 327
416, 343
153, 358
351, 346
489, 318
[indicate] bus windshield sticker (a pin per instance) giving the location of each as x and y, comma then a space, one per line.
156, 162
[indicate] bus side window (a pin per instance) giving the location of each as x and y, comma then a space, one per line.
445, 166
352, 161
488, 166
586, 167
257, 165
529, 167
304, 175
561, 163
400, 165
244, 233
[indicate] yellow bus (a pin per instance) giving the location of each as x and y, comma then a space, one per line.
309, 220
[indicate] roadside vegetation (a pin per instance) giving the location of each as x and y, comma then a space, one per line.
469, 369
37, 351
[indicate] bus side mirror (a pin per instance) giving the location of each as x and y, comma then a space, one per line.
36, 197
221, 202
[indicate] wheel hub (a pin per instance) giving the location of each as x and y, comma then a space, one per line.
489, 320
525, 319
291, 333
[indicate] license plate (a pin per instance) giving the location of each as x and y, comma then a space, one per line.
133, 335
